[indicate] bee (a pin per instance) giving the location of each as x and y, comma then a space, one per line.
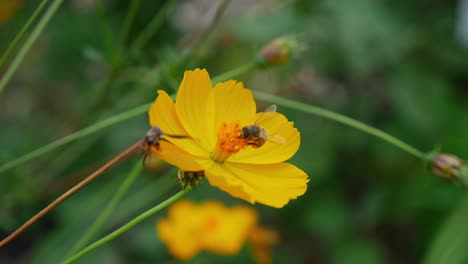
257, 136
152, 139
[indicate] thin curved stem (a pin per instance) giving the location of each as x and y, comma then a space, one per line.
127, 226
74, 136
29, 42
129, 18
23, 30
237, 71
207, 36
153, 26
101, 220
343, 120
70, 192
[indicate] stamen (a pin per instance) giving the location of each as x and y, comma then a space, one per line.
229, 141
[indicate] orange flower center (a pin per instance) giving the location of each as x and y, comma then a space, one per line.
212, 223
229, 141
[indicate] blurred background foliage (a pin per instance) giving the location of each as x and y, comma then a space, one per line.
396, 65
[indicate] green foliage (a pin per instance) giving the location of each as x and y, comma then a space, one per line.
395, 66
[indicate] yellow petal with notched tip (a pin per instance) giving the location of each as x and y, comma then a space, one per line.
195, 107
270, 184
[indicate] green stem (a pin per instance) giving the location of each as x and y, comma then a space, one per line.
207, 36
448, 245
129, 18
343, 120
101, 220
152, 27
237, 71
29, 42
77, 135
23, 30
127, 226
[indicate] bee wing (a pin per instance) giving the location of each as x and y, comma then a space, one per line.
271, 108
267, 113
277, 139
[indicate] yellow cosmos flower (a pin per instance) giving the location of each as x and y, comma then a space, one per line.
191, 228
212, 118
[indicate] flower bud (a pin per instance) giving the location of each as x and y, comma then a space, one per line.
280, 50
450, 167
190, 178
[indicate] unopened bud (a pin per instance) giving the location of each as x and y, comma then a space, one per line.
280, 50
190, 178
450, 167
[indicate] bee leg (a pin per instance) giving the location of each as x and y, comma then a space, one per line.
157, 146
147, 153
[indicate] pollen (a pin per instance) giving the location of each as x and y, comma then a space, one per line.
229, 141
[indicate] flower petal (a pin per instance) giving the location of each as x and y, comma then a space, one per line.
163, 114
226, 229
177, 234
269, 184
195, 107
173, 155
272, 151
232, 103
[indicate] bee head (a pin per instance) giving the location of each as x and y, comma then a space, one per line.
155, 133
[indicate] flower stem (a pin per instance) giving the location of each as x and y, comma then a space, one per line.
71, 191
343, 120
129, 18
208, 34
23, 30
100, 221
237, 71
152, 27
127, 226
29, 42
74, 136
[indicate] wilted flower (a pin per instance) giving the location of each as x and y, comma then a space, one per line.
191, 228
213, 121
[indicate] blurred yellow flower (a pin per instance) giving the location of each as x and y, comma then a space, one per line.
262, 240
8, 8
191, 228
213, 119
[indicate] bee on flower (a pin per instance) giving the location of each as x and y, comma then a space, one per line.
220, 140
256, 135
